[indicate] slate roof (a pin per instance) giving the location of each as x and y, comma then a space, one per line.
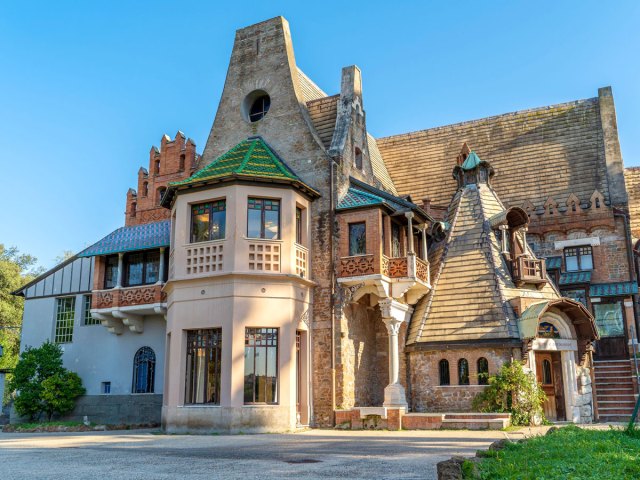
565, 138
132, 238
613, 289
472, 285
571, 278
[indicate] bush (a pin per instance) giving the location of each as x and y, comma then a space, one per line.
513, 391
42, 384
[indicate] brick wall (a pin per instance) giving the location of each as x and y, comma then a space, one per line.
426, 394
632, 181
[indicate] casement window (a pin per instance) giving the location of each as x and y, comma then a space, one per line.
204, 359
463, 372
609, 318
141, 268
144, 370
111, 271
87, 318
443, 367
261, 365
357, 239
65, 317
299, 225
208, 221
263, 218
578, 258
483, 371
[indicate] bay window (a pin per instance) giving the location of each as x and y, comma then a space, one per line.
142, 268
357, 239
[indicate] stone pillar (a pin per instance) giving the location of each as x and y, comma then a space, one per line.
161, 267
120, 269
504, 229
393, 314
524, 239
409, 216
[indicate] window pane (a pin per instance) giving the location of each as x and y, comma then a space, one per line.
111, 272
218, 219
586, 261
546, 373
444, 372
298, 226
204, 359
254, 223
483, 371
577, 295
357, 239
609, 319
65, 316
152, 267
261, 365
395, 240
571, 264
200, 222
134, 268
271, 224
463, 372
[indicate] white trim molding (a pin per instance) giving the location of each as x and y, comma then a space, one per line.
576, 242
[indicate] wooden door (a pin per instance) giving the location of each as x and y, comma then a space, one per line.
545, 376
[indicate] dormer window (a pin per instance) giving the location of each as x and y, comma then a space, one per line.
357, 239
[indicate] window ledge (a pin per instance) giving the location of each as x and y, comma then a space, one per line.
251, 239
206, 242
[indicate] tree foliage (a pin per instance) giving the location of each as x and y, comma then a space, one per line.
514, 391
42, 384
16, 270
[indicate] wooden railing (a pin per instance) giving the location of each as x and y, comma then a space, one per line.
397, 267
357, 266
422, 270
529, 270
129, 296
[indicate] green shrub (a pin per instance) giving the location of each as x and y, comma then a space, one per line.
42, 384
514, 391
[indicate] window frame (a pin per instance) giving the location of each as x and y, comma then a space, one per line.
126, 268
483, 376
442, 364
199, 339
461, 379
258, 115
210, 211
578, 255
59, 336
299, 224
350, 225
262, 218
277, 365
107, 282
150, 361
87, 318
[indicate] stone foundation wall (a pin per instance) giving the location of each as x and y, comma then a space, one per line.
584, 399
112, 410
427, 395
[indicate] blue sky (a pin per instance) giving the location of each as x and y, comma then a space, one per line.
86, 88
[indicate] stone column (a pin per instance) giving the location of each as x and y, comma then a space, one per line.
393, 314
425, 253
161, 267
409, 216
120, 268
504, 229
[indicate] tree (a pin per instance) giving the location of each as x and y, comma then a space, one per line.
16, 270
42, 384
515, 391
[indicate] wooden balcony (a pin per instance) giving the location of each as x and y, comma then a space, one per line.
529, 270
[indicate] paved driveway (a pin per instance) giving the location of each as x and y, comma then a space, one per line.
315, 454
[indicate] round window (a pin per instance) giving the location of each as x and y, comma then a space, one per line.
256, 105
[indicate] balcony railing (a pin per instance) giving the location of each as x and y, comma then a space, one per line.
302, 259
529, 270
422, 270
357, 266
128, 297
397, 267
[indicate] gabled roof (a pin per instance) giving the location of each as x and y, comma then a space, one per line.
251, 159
361, 194
471, 162
134, 237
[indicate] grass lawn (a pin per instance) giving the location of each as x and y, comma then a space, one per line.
568, 453
28, 426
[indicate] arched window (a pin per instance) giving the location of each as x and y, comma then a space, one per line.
463, 372
181, 166
483, 371
133, 209
358, 158
444, 372
145, 189
157, 167
161, 191
144, 370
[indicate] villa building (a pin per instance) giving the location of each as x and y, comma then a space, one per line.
301, 271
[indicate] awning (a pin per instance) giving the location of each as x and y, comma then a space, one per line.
553, 263
572, 278
581, 318
132, 238
613, 289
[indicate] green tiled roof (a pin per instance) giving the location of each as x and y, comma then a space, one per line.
471, 162
357, 198
250, 158
613, 289
553, 263
569, 278
135, 237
